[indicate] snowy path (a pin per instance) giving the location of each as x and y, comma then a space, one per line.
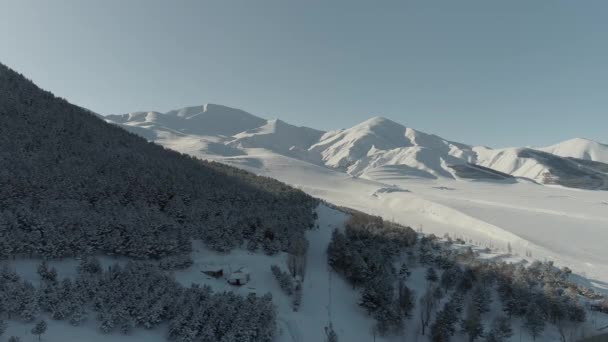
326, 292
291, 328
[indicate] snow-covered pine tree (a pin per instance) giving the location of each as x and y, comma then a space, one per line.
431, 275
39, 328
284, 279
297, 296
450, 277
47, 274
501, 330
406, 299
471, 324
404, 271
428, 303
482, 298
3, 327
534, 320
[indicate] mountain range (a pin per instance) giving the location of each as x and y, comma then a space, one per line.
375, 149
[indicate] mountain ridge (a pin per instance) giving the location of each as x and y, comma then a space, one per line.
378, 145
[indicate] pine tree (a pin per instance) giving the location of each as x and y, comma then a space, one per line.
534, 320
444, 325
472, 323
3, 327
39, 328
404, 271
501, 330
450, 277
297, 296
431, 275
369, 299
482, 298
427, 305
14, 339
406, 299
47, 274
89, 265
284, 279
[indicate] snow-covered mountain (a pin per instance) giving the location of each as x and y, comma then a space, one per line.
579, 148
379, 144
277, 136
210, 119
375, 149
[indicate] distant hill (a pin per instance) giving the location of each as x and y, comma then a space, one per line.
579, 148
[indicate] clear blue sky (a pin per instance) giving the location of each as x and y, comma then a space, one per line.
497, 73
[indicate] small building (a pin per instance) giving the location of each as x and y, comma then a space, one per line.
239, 277
215, 271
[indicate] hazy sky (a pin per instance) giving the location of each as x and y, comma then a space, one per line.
497, 73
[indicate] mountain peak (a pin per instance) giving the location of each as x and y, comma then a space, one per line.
379, 121
580, 141
581, 148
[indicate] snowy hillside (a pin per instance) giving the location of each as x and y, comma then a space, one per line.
379, 142
579, 148
278, 136
210, 119
545, 168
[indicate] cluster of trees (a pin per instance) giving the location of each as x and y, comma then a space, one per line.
284, 279
535, 294
138, 294
460, 287
538, 294
364, 254
72, 184
291, 285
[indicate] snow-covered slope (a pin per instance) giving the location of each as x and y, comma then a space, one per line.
545, 168
277, 136
380, 143
508, 160
210, 119
579, 148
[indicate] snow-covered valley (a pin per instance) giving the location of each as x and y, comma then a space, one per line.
354, 167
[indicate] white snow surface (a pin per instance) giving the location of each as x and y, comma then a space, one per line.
380, 142
579, 148
210, 119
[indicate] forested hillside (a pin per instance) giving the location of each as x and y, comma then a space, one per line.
71, 184
458, 294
